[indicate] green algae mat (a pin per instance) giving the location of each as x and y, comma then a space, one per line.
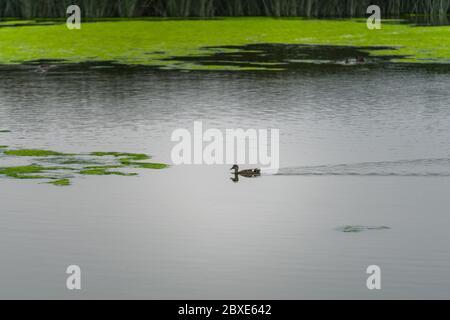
60, 168
158, 42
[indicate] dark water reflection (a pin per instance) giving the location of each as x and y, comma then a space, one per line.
291, 57
190, 232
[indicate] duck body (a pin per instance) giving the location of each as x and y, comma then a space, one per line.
355, 61
43, 68
250, 173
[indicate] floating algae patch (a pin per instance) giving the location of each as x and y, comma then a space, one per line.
60, 182
34, 153
356, 229
108, 167
129, 42
60, 168
27, 172
130, 160
73, 160
105, 172
149, 165
125, 156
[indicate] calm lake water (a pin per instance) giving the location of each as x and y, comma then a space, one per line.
358, 146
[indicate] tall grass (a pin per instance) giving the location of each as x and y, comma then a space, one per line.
209, 8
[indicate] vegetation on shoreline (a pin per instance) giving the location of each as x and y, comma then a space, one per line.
59, 168
210, 8
163, 43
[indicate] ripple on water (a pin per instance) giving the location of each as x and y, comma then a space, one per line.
356, 229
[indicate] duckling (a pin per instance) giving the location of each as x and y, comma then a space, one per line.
251, 173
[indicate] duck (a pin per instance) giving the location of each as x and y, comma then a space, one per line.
250, 173
355, 61
43, 68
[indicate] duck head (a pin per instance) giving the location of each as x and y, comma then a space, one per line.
235, 167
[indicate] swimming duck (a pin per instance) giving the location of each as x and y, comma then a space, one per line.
355, 61
360, 59
43, 68
251, 173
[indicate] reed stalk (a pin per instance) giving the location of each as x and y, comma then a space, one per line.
210, 8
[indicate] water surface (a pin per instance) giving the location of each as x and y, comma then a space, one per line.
377, 136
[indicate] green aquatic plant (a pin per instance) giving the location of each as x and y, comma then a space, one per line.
28, 177
104, 172
130, 160
130, 42
21, 169
27, 172
65, 166
128, 156
106, 167
34, 153
149, 165
60, 182
73, 160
